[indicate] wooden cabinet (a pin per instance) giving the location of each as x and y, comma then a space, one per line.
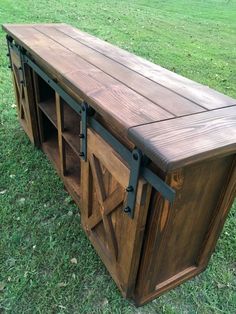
147, 155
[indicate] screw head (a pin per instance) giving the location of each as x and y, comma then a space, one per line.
83, 106
129, 188
127, 210
135, 156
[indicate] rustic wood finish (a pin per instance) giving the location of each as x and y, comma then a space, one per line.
179, 142
187, 130
116, 237
24, 97
189, 241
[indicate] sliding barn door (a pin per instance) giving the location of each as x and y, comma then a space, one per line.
116, 237
23, 87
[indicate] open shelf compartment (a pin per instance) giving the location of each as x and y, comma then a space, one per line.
59, 127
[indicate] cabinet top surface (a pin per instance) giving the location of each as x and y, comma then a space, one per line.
175, 120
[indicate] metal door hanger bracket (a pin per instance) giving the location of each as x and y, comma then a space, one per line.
133, 182
22, 67
9, 41
86, 111
83, 131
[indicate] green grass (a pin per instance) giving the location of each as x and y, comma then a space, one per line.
40, 226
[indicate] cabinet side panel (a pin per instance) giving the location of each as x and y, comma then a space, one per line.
176, 237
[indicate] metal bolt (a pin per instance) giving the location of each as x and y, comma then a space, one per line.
129, 188
127, 210
81, 154
81, 135
135, 156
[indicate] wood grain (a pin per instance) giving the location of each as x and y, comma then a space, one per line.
116, 237
24, 96
179, 239
161, 96
183, 141
119, 104
178, 124
193, 91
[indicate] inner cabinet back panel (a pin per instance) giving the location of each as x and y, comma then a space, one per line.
116, 237
176, 237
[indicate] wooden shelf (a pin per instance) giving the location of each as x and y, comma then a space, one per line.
48, 107
71, 122
50, 148
187, 130
71, 128
72, 175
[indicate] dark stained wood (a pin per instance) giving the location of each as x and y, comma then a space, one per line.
101, 197
116, 237
175, 143
193, 91
60, 126
48, 107
187, 130
71, 129
71, 121
116, 102
177, 238
163, 97
36, 88
24, 98
224, 204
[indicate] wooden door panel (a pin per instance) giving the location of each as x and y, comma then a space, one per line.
116, 237
23, 87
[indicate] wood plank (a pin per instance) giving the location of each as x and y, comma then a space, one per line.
225, 203
110, 204
175, 235
163, 97
116, 102
25, 100
193, 91
128, 232
72, 129
182, 141
39, 112
61, 144
48, 107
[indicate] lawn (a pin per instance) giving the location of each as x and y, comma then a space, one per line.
39, 224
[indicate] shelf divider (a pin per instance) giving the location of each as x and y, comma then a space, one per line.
60, 128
